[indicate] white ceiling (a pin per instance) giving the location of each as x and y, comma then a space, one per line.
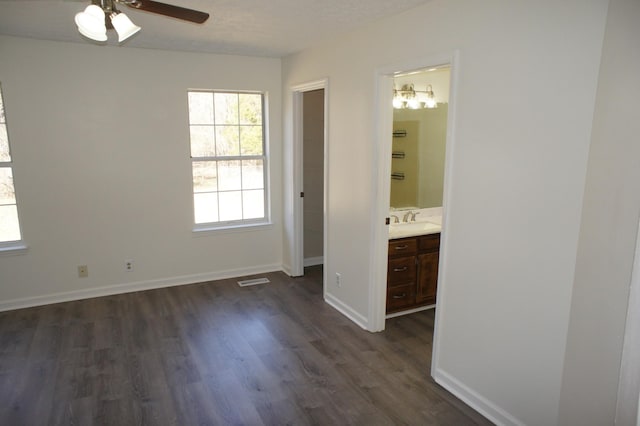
272, 28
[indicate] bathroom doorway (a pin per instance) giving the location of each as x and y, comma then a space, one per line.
385, 84
420, 110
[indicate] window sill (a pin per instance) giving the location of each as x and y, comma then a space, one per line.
204, 230
13, 249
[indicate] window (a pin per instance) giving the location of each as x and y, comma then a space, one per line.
9, 223
228, 158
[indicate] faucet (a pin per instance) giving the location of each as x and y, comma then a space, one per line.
410, 216
396, 218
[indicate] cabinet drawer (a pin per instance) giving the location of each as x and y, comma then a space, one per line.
403, 247
400, 297
401, 270
429, 242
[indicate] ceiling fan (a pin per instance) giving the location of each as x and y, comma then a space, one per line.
101, 15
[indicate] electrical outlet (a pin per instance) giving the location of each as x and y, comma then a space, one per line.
83, 271
128, 265
338, 279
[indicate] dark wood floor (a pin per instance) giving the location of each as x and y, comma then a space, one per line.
218, 354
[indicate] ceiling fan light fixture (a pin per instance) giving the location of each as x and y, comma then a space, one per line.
91, 24
123, 26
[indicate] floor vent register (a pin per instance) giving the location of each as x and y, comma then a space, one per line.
255, 281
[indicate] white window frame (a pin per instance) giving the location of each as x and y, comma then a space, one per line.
13, 246
240, 223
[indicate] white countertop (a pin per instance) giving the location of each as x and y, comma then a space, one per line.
431, 225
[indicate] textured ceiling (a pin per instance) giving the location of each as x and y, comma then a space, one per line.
272, 28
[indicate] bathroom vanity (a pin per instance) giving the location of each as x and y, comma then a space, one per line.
412, 270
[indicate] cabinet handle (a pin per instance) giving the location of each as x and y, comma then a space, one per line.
404, 268
404, 247
400, 296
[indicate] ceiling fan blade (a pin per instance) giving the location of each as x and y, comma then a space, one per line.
169, 10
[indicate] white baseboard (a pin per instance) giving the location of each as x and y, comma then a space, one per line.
474, 400
27, 302
313, 261
347, 311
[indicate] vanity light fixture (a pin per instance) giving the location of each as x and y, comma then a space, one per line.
95, 19
408, 97
429, 98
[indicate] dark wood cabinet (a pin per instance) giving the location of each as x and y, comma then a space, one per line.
427, 278
412, 272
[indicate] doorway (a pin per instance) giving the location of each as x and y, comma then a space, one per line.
313, 177
384, 132
309, 184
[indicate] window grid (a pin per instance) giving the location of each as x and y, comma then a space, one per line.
228, 154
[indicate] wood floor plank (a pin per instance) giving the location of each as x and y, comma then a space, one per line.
215, 353
192, 406
230, 400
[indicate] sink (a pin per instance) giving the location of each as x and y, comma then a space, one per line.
410, 229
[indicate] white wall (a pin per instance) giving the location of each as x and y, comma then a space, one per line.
526, 90
100, 141
607, 233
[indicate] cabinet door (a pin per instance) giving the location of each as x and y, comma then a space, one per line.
427, 277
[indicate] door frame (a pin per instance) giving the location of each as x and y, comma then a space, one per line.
295, 185
382, 178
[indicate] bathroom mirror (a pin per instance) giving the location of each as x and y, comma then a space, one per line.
419, 139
